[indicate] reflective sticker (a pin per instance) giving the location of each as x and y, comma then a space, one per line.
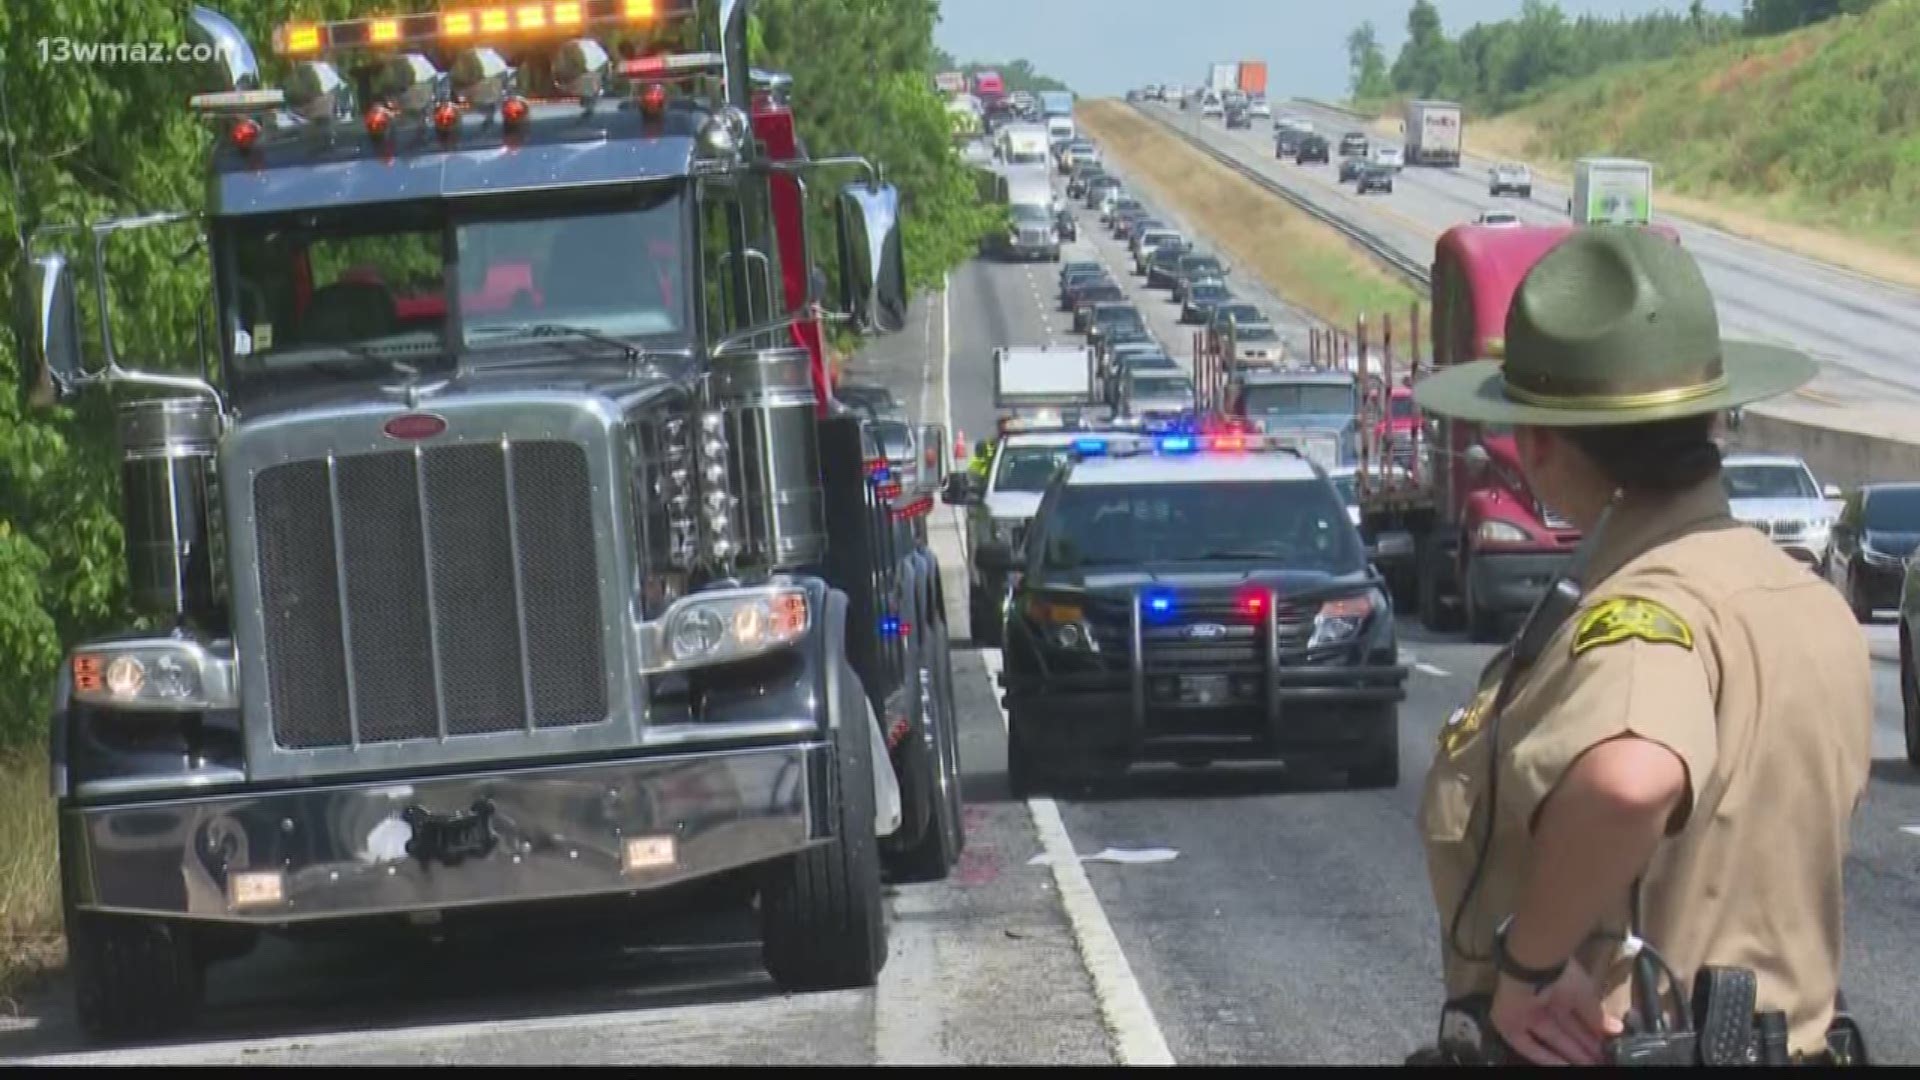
242, 343
1624, 617
263, 336
1465, 723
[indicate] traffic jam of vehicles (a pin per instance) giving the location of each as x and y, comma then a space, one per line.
636, 598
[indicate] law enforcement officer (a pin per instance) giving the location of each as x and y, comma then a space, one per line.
1694, 736
982, 460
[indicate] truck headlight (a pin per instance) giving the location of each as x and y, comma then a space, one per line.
161, 675
1500, 532
722, 626
1342, 620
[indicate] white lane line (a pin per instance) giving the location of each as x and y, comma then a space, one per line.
908, 1018
1430, 669
946, 352
1123, 1004
1910, 830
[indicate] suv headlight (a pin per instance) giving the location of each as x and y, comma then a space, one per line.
159, 675
1063, 626
722, 626
1342, 620
1500, 532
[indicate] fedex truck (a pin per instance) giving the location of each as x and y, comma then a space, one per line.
1433, 133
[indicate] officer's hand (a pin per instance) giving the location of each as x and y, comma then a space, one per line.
1561, 1025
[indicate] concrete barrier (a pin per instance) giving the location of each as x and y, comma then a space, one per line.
1852, 446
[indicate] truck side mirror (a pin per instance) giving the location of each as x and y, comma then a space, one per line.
1477, 460
48, 331
873, 261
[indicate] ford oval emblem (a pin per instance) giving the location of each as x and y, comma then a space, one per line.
415, 426
1207, 631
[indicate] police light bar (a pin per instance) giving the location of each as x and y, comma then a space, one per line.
678, 65
469, 24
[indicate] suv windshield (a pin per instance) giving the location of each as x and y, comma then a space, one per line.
1894, 510
1162, 386
367, 286
1299, 398
1200, 265
1028, 468
1296, 523
1768, 482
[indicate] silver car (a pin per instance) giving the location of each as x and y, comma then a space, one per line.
1777, 494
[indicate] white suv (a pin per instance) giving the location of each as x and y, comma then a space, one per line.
1510, 176
1777, 494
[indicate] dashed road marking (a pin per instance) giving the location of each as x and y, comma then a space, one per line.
1430, 669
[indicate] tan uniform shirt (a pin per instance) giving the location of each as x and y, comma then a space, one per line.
1696, 633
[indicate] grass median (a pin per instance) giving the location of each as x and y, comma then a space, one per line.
1310, 265
30, 941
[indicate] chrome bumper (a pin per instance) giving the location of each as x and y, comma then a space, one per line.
372, 848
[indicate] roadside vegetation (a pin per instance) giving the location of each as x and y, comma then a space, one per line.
1314, 267
91, 141
1797, 124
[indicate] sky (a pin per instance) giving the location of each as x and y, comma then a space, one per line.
1102, 48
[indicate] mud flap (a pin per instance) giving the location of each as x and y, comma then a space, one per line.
887, 812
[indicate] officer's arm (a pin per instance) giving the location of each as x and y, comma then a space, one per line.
1614, 766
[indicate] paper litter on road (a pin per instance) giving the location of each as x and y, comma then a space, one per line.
1123, 856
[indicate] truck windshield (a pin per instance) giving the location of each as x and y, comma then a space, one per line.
367, 287
1296, 523
1299, 398
1028, 214
1401, 408
1768, 482
1028, 468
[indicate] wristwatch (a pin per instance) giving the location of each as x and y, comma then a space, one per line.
1536, 978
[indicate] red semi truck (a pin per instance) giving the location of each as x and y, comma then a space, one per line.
1462, 536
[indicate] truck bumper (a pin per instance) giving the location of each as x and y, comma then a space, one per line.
1508, 583
276, 857
1297, 710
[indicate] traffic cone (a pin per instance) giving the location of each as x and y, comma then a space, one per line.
959, 447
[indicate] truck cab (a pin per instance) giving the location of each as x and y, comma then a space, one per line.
1313, 411
522, 478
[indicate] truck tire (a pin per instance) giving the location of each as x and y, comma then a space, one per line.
133, 978
822, 918
1378, 766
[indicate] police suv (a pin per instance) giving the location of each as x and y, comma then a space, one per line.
1192, 598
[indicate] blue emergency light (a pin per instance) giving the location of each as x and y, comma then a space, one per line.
1176, 444
1090, 446
1160, 603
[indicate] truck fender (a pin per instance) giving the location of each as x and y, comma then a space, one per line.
849, 700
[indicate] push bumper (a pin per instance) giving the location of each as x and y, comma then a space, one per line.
1508, 583
390, 847
1291, 709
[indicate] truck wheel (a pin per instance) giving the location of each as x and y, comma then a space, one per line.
133, 978
1379, 765
823, 922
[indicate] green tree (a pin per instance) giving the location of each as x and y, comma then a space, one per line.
1367, 64
1427, 60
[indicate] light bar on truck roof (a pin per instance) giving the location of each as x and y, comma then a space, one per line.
238, 102
468, 24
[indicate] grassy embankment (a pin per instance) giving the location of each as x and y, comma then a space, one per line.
1809, 141
1310, 265
30, 941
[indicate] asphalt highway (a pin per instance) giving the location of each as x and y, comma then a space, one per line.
1291, 924
1860, 329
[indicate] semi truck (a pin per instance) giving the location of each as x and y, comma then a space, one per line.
1222, 76
562, 596
1252, 78
988, 86
1611, 191
1433, 133
1461, 535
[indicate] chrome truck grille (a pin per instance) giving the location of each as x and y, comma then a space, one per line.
458, 599
448, 593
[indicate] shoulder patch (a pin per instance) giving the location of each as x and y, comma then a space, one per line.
1623, 617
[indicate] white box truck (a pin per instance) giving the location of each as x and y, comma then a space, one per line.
1432, 130
1027, 377
1611, 191
1223, 75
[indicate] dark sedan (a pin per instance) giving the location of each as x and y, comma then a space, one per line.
1375, 178
1094, 292
1878, 528
1202, 297
1313, 148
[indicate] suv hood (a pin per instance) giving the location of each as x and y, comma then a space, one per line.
1808, 510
